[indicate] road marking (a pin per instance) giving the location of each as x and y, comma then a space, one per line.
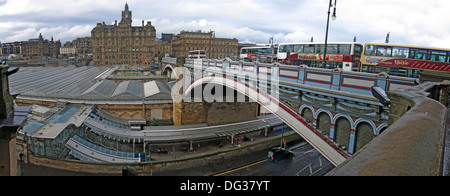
298, 173
297, 148
243, 167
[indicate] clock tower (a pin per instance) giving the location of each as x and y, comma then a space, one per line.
126, 16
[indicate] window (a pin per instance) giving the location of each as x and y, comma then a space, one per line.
400, 52
320, 49
298, 48
384, 51
419, 54
358, 50
344, 49
370, 50
332, 49
439, 56
309, 48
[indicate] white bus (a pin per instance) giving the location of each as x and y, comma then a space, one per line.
344, 55
197, 54
258, 53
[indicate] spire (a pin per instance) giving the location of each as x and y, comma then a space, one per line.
126, 7
40, 36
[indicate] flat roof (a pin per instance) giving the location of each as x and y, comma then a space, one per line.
52, 130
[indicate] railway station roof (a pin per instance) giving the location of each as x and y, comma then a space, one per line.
83, 83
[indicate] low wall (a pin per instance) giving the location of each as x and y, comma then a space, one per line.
144, 168
413, 145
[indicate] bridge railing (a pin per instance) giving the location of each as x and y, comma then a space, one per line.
414, 143
335, 79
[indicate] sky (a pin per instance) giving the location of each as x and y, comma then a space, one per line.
412, 22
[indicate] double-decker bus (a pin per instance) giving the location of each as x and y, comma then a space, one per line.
197, 54
339, 54
403, 60
259, 53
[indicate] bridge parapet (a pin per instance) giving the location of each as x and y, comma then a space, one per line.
413, 145
334, 79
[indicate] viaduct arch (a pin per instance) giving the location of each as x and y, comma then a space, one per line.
285, 113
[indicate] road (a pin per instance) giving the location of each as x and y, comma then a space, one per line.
306, 162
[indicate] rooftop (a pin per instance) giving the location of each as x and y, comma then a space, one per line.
84, 85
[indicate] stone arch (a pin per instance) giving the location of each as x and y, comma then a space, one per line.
343, 127
364, 134
371, 123
168, 68
324, 122
308, 114
381, 129
274, 105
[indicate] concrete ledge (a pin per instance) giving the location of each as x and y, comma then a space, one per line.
412, 146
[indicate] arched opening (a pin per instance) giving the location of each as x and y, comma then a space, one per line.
168, 71
382, 130
308, 115
342, 129
323, 123
364, 134
281, 110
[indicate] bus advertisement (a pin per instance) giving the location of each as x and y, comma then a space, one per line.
339, 55
403, 60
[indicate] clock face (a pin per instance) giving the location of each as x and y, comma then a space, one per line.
126, 16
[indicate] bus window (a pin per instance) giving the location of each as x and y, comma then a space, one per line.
358, 50
282, 49
370, 50
298, 48
384, 51
344, 49
439, 56
309, 48
332, 49
400, 52
320, 49
420, 54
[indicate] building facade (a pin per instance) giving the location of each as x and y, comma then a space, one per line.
83, 45
122, 43
12, 48
38, 48
41, 48
216, 48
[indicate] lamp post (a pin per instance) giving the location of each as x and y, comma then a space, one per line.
328, 24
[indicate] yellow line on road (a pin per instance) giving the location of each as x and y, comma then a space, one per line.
243, 167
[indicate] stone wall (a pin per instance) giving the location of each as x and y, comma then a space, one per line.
213, 113
413, 145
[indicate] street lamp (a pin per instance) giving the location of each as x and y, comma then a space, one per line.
328, 24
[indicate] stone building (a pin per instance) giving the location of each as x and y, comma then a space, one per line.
37, 48
216, 48
122, 43
83, 45
41, 48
